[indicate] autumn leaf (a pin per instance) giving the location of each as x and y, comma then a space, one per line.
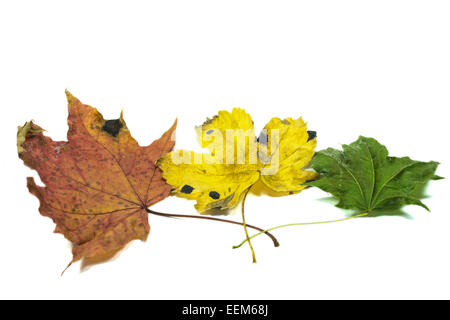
364, 177
219, 179
99, 183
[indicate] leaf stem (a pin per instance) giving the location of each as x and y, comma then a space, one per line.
245, 227
275, 241
298, 224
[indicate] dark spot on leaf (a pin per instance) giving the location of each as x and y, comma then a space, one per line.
186, 189
214, 195
112, 127
262, 138
311, 135
209, 131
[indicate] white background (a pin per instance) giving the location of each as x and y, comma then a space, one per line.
373, 68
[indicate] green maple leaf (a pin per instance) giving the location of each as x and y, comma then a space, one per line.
364, 177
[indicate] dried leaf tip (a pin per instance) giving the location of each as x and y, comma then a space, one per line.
22, 131
173, 130
174, 125
70, 98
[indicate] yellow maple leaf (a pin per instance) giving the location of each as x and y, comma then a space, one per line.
237, 160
